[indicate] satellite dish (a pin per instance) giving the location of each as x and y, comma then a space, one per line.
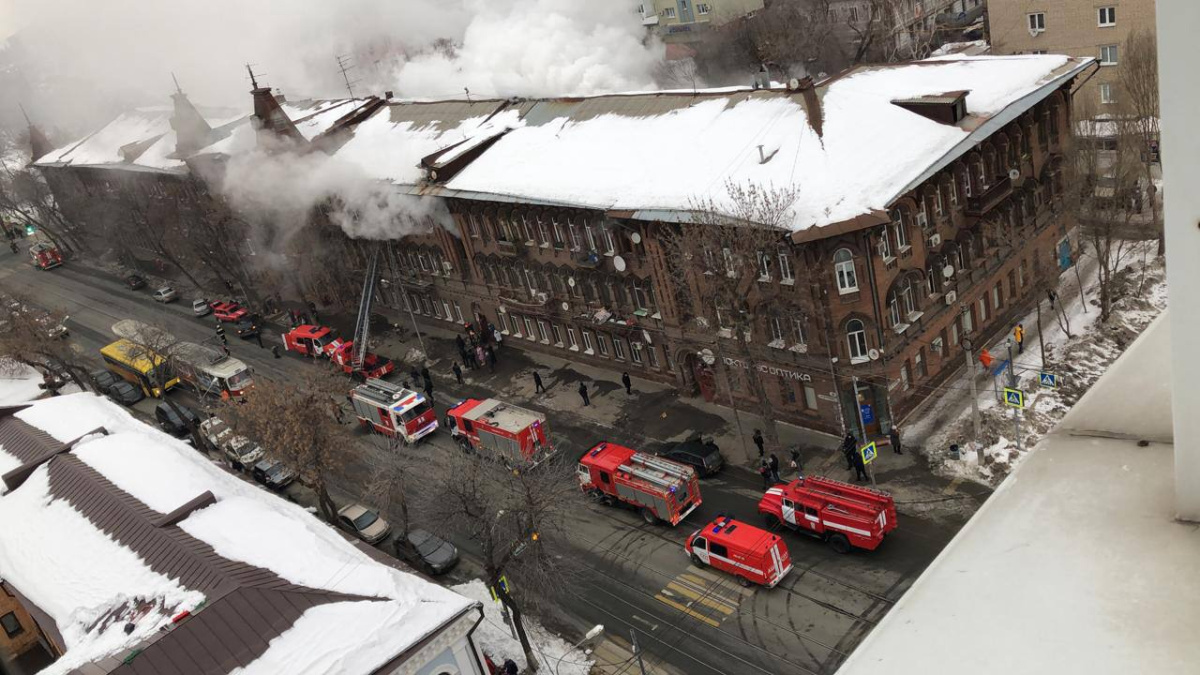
635, 238
794, 84
1013, 174
707, 356
571, 282
873, 354
566, 306
948, 271
619, 263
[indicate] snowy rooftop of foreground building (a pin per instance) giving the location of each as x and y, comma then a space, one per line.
1075, 564
108, 535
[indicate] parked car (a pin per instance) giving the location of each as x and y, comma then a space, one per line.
178, 424
104, 378
272, 473
201, 307
239, 452
124, 393
165, 294
228, 312
423, 549
135, 282
702, 454
363, 523
247, 328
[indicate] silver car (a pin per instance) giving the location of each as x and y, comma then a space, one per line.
165, 294
201, 307
363, 523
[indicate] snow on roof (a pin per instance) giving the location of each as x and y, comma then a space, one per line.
80, 576
250, 525
132, 132
391, 143
661, 152
18, 384
239, 137
157, 156
317, 119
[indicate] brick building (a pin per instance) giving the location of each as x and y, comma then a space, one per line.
926, 214
1074, 27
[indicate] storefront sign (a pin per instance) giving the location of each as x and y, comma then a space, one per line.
769, 370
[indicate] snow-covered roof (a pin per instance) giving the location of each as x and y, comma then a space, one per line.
82, 541
122, 142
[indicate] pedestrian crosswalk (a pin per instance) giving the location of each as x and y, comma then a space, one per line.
703, 596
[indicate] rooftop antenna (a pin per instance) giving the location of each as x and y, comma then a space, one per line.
466, 89
178, 89
253, 80
344, 65
25, 115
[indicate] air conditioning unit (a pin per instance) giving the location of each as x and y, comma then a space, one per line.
447, 266
951, 298
935, 240
542, 296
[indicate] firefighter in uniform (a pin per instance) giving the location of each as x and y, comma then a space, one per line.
1019, 336
221, 333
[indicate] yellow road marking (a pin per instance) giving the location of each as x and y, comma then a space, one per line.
696, 573
687, 610
952, 486
700, 598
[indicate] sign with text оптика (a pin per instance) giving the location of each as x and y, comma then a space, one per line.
767, 369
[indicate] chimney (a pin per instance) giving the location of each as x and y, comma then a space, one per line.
39, 145
387, 95
269, 118
191, 129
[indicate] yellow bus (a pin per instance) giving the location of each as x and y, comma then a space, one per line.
139, 366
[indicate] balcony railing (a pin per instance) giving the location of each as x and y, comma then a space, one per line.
981, 204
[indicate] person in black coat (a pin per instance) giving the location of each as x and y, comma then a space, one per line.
537, 383
457, 372
758, 441
627, 382
894, 437
773, 463
860, 469
583, 394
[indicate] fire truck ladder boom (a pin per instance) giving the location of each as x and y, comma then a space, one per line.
648, 468
362, 328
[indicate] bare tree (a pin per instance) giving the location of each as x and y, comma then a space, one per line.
25, 197
296, 423
1138, 104
720, 262
152, 230
516, 518
36, 338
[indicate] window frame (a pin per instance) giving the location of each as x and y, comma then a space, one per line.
1108, 21
20, 628
1106, 94
857, 337
785, 268
1036, 22
589, 345
845, 274
1109, 50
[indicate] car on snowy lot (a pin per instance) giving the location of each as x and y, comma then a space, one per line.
124, 393
272, 473
201, 307
247, 328
178, 424
427, 551
165, 294
135, 282
702, 454
363, 523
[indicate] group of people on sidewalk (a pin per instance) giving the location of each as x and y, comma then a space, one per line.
854, 457
768, 464
477, 349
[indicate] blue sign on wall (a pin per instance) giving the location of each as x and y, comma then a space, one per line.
1064, 254
868, 415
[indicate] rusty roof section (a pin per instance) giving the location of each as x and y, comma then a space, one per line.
246, 606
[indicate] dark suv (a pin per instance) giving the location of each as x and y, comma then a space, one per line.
702, 454
178, 424
427, 551
272, 473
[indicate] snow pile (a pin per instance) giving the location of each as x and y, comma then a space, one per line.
629, 154
496, 640
18, 384
1140, 293
88, 583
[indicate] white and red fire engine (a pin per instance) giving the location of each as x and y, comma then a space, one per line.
308, 340
45, 256
842, 514
658, 488
504, 431
751, 554
393, 410
341, 352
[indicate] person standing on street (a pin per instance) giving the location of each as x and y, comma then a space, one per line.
457, 372
491, 358
258, 339
414, 375
13, 246
460, 343
429, 390
425, 373
497, 337
894, 438
848, 447
773, 464
628, 383
860, 469
758, 441
538, 387
764, 470
1019, 336
275, 351
221, 334
583, 394
795, 463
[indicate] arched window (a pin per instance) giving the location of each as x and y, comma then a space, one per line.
900, 230
843, 268
856, 340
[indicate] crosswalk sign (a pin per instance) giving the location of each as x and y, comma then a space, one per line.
502, 584
1014, 398
1048, 380
869, 453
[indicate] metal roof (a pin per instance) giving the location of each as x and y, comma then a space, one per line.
503, 416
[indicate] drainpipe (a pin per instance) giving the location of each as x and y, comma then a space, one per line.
878, 323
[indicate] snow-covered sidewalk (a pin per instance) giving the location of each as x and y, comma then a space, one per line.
556, 656
1078, 360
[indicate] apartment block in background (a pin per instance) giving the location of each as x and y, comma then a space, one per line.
687, 20
1096, 28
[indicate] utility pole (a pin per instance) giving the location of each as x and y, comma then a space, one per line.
1012, 373
862, 426
968, 352
1041, 341
637, 650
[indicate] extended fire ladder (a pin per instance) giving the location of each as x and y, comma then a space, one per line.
362, 328
654, 470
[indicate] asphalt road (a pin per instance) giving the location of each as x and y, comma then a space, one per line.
688, 620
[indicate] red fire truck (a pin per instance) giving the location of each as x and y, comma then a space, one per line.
842, 514
393, 410
308, 340
503, 431
751, 554
45, 256
341, 352
658, 488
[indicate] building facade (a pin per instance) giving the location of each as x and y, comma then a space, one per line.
1075, 27
852, 321
687, 20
